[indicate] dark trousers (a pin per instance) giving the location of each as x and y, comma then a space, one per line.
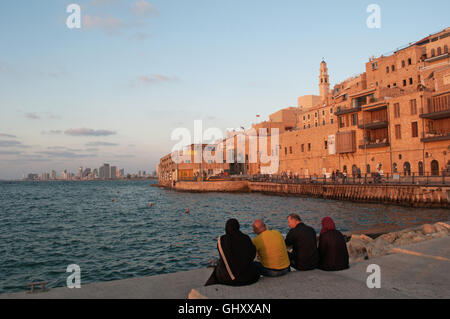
271, 272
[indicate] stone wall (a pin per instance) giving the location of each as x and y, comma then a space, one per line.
213, 186
408, 195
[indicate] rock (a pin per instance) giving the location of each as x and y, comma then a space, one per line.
440, 234
390, 237
379, 247
428, 229
357, 248
442, 227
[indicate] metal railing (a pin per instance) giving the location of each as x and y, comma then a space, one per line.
360, 179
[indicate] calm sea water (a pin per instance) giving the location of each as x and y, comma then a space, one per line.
44, 227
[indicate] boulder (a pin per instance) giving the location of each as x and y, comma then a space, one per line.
390, 237
428, 229
379, 247
442, 227
357, 247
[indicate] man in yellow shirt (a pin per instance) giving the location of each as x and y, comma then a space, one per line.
271, 249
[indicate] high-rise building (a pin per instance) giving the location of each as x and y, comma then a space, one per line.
53, 175
122, 173
80, 172
113, 172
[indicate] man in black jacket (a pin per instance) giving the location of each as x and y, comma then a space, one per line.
302, 239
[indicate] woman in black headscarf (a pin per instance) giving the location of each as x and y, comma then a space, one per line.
237, 252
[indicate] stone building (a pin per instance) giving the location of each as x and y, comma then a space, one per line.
392, 118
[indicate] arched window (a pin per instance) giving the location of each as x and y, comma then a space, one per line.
407, 169
445, 49
432, 53
439, 52
420, 169
394, 168
435, 168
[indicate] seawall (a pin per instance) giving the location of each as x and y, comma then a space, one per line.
405, 195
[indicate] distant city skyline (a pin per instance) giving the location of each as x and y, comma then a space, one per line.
114, 90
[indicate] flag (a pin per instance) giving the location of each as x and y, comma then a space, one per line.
257, 115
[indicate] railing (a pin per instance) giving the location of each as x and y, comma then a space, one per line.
372, 143
359, 179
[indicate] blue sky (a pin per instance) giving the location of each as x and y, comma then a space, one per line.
114, 90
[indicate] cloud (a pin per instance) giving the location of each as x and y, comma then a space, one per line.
109, 25
144, 9
7, 135
101, 144
40, 115
10, 152
157, 78
141, 36
88, 132
104, 2
65, 154
4, 143
52, 132
32, 116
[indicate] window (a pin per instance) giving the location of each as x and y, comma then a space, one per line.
413, 104
331, 120
309, 147
439, 52
393, 68
398, 132
409, 61
404, 82
304, 126
445, 49
341, 122
326, 144
309, 125
323, 122
387, 69
331, 111
290, 149
410, 81
403, 63
323, 112
315, 115
303, 147
433, 53
415, 130
315, 124
285, 151
309, 116
304, 118
355, 119
397, 110
394, 85
374, 65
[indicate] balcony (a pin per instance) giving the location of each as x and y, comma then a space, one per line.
435, 113
374, 143
374, 124
435, 136
342, 111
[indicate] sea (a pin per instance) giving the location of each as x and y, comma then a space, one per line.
125, 229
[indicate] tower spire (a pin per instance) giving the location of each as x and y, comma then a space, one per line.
324, 83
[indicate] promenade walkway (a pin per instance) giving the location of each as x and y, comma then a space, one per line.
416, 271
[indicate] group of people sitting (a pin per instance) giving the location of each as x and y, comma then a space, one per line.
237, 265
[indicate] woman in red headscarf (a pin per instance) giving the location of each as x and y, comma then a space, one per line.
332, 247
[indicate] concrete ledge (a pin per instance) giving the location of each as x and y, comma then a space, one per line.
167, 286
402, 276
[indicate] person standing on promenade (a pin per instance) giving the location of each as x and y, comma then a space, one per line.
302, 239
271, 249
237, 252
333, 251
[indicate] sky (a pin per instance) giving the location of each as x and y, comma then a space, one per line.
115, 89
